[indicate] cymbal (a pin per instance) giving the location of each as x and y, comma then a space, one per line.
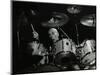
57, 19
89, 20
74, 9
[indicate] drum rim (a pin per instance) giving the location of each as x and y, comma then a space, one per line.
63, 51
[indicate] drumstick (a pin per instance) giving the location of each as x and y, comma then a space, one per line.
32, 27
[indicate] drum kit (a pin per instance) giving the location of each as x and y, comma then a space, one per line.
67, 52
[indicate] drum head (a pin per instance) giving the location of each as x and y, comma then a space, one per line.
65, 58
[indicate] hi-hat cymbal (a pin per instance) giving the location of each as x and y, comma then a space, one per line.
89, 20
57, 19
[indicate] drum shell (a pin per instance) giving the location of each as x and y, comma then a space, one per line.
63, 45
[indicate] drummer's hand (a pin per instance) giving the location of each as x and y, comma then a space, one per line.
35, 34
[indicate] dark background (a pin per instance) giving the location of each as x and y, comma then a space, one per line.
22, 17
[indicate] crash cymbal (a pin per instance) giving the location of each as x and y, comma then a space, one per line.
89, 20
57, 19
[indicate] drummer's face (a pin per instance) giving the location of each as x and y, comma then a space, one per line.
54, 35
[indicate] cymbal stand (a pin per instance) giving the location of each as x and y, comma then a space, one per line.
63, 32
77, 34
78, 48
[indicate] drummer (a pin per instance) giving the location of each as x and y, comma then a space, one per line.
54, 37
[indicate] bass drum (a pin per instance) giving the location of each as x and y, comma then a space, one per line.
65, 59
